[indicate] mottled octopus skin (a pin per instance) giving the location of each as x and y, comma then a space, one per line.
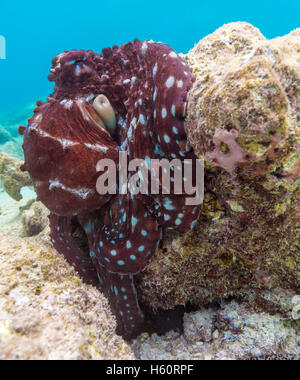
109, 239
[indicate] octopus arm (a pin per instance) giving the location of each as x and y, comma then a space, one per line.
122, 295
128, 237
121, 247
69, 239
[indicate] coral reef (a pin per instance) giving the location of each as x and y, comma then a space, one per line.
244, 120
11, 176
137, 93
231, 331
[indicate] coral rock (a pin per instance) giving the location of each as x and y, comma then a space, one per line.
11, 176
240, 334
46, 312
35, 220
243, 119
199, 326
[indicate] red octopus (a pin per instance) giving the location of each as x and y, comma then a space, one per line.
110, 238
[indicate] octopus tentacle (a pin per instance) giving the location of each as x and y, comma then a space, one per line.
122, 295
128, 237
118, 288
68, 237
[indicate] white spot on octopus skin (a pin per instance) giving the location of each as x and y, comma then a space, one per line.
173, 55
144, 48
142, 119
173, 110
38, 118
89, 98
68, 104
155, 94
129, 133
164, 113
180, 84
133, 81
133, 123
77, 70
155, 70
167, 139
58, 64
125, 61
170, 82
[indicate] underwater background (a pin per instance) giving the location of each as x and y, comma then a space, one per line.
238, 273
36, 32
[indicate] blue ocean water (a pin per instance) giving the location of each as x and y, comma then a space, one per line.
36, 31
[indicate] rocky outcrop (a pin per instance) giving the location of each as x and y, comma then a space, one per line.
46, 312
35, 219
229, 331
244, 121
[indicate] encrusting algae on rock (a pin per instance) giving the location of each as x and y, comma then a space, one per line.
244, 120
11, 176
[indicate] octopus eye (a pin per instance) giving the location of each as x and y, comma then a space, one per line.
106, 112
